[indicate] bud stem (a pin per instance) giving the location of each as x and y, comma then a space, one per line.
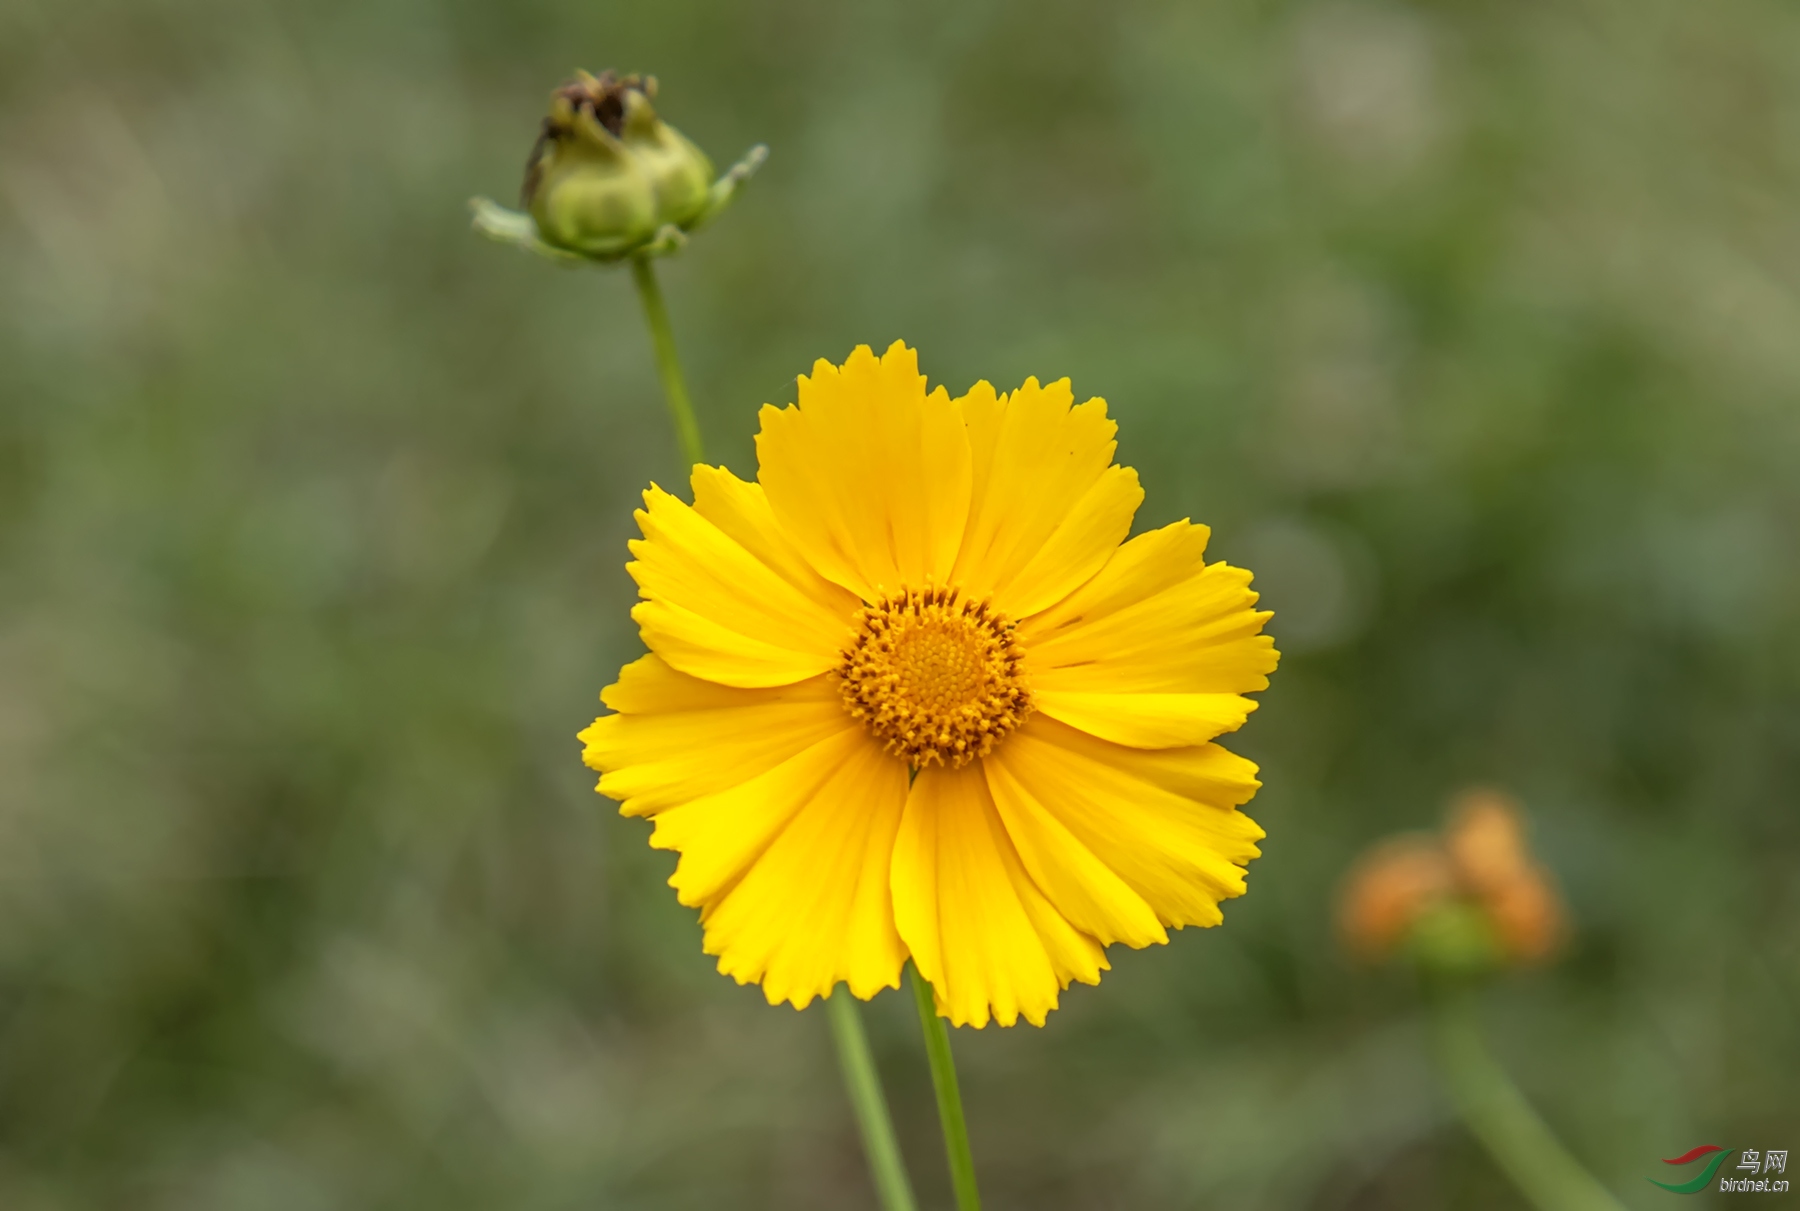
1499, 1116
668, 364
863, 1083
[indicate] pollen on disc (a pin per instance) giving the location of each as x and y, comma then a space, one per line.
934, 677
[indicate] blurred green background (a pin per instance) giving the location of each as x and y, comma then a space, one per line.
1470, 326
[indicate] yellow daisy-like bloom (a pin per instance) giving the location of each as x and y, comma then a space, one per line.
911, 694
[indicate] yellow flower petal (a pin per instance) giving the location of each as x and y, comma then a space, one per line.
1083, 888
1180, 854
791, 871
1143, 567
1147, 720
1079, 547
648, 684
714, 610
719, 836
979, 929
869, 475
1206, 773
646, 751
1047, 508
742, 511
1155, 620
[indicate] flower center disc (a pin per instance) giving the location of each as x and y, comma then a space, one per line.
933, 677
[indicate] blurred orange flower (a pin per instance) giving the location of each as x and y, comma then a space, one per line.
1481, 862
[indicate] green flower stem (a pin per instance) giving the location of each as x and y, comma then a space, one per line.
1500, 1117
864, 1085
949, 1098
668, 365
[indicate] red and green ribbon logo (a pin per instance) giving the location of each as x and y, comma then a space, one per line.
1718, 1155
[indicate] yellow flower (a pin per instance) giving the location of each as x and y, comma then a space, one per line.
908, 696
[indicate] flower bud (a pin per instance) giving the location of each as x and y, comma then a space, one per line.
608, 178
584, 188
